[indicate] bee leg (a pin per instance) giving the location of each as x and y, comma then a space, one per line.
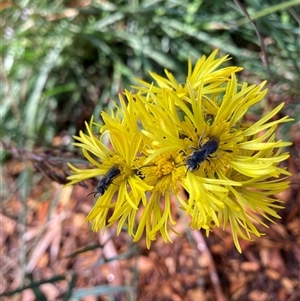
200, 139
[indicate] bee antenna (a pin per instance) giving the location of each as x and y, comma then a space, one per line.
95, 192
144, 166
187, 169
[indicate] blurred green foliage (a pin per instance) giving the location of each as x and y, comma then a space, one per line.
63, 61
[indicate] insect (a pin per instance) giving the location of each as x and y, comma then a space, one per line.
194, 161
106, 180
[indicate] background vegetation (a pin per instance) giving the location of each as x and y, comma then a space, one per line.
63, 61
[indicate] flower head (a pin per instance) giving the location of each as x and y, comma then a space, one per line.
130, 187
191, 135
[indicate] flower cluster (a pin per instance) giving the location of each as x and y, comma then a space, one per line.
167, 136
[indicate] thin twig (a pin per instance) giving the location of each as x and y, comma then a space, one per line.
259, 36
202, 247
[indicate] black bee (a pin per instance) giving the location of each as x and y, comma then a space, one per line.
106, 180
194, 161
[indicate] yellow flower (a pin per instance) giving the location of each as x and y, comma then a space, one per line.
193, 135
229, 185
130, 187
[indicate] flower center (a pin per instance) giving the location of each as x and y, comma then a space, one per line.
164, 166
